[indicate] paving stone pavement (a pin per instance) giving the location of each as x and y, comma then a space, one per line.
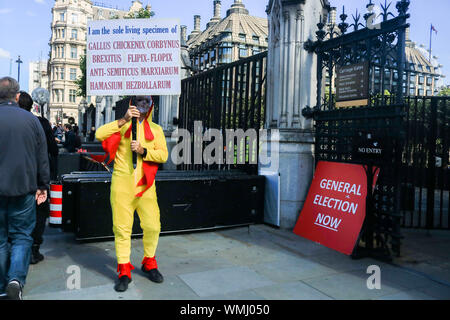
258, 262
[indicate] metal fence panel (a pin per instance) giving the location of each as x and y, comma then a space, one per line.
230, 96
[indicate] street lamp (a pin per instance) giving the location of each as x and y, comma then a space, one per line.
18, 61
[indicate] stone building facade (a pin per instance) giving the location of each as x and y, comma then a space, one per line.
425, 75
38, 76
238, 35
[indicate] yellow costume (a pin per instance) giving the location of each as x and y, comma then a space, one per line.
124, 187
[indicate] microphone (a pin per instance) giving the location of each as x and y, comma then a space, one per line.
133, 136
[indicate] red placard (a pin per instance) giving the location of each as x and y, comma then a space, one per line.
335, 207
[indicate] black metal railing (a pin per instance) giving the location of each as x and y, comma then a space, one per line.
425, 163
229, 97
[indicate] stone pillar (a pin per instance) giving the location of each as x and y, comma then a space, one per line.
81, 110
99, 107
291, 86
108, 109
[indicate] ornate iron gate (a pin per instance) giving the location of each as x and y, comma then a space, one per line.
338, 130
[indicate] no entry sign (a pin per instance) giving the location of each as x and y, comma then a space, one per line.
335, 207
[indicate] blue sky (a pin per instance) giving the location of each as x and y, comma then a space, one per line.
25, 25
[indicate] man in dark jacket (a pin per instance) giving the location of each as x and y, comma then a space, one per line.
25, 176
43, 210
70, 139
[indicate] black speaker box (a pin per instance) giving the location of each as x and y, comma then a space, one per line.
92, 146
67, 163
71, 184
187, 201
94, 214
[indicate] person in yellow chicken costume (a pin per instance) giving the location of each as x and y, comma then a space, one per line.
134, 188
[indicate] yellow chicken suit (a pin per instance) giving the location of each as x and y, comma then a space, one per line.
124, 188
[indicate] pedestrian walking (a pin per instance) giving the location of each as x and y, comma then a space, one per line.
42, 210
25, 178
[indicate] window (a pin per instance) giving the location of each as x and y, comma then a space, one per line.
61, 73
73, 74
242, 37
377, 72
206, 59
72, 95
212, 56
61, 16
74, 33
59, 52
243, 51
421, 79
226, 36
225, 55
256, 40
63, 33
73, 52
74, 18
256, 50
58, 95
429, 81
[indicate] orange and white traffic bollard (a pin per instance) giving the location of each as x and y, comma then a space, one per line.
56, 195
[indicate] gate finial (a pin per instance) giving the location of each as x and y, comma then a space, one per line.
343, 25
403, 6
